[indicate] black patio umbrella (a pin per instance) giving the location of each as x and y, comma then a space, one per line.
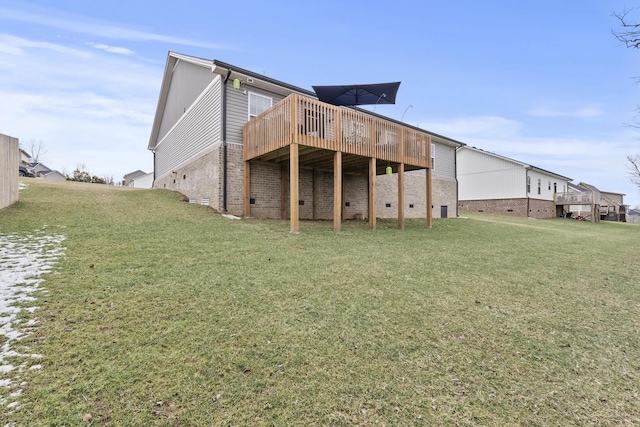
349, 95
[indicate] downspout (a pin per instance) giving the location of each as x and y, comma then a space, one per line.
455, 172
224, 141
527, 184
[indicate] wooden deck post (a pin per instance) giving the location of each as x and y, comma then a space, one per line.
247, 190
337, 191
372, 193
283, 191
294, 185
429, 200
401, 196
315, 194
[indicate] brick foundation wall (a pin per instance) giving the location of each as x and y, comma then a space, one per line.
202, 179
511, 207
415, 196
197, 180
266, 181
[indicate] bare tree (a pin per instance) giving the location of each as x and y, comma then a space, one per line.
37, 151
634, 169
630, 36
630, 33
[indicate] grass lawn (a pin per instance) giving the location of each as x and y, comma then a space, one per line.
163, 313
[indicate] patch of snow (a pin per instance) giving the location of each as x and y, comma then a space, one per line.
228, 216
23, 259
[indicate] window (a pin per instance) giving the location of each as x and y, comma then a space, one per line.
539, 186
433, 156
549, 185
555, 187
258, 104
528, 184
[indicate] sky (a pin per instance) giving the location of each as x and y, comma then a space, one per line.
543, 82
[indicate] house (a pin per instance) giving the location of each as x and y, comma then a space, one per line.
128, 178
610, 205
54, 176
633, 216
25, 158
490, 183
41, 170
141, 181
250, 145
583, 199
578, 201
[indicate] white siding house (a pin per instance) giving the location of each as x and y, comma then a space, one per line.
496, 184
142, 181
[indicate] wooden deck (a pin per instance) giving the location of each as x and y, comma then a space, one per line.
585, 199
306, 133
577, 198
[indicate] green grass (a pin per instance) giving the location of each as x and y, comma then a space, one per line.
165, 313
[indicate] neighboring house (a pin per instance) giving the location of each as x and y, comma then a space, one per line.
25, 158
250, 145
611, 205
495, 184
633, 216
54, 176
128, 178
582, 199
142, 181
41, 170
578, 201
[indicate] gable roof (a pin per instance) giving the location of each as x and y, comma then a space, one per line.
232, 72
594, 188
134, 174
227, 71
518, 162
578, 188
40, 167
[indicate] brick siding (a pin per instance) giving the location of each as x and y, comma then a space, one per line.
202, 179
511, 207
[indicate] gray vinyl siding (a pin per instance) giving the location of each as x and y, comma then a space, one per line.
238, 109
199, 129
187, 83
445, 164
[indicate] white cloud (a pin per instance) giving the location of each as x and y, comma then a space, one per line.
92, 108
584, 112
484, 126
111, 49
84, 25
18, 46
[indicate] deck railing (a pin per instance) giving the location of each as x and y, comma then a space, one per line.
306, 121
577, 198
